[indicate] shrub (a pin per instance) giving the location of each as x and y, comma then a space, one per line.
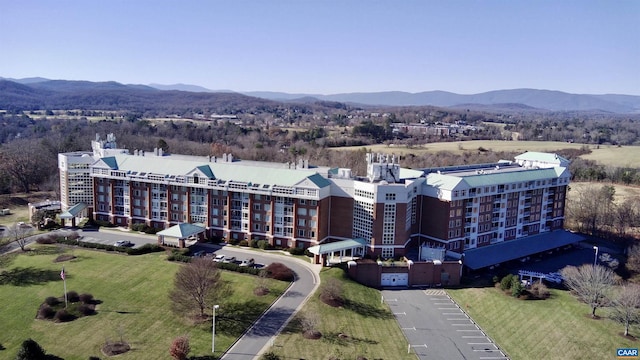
279, 271
63, 315
264, 244
46, 239
296, 251
52, 301
233, 241
244, 243
144, 249
73, 296
179, 257
138, 227
506, 282
516, 287
86, 298
540, 291
253, 243
269, 356
46, 312
180, 348
86, 310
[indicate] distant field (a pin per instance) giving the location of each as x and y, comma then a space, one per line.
608, 155
622, 191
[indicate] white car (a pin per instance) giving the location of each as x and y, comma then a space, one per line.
229, 259
247, 263
218, 258
126, 243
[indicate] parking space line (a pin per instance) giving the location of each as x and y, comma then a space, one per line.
489, 343
411, 328
400, 313
474, 337
456, 313
467, 330
453, 308
493, 357
463, 325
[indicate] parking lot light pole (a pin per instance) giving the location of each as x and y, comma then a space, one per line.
595, 260
213, 330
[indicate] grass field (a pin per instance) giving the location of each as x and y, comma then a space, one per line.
556, 328
135, 305
370, 326
622, 191
604, 154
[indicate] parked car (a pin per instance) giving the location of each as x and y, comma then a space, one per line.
218, 258
125, 243
229, 259
247, 262
200, 253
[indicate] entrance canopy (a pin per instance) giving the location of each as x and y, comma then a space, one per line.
182, 231
73, 211
336, 246
515, 249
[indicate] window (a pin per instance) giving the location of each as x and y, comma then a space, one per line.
387, 252
302, 201
302, 222
302, 211
390, 197
312, 212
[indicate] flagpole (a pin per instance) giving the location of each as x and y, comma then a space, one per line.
64, 280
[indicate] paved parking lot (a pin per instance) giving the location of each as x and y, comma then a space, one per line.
437, 328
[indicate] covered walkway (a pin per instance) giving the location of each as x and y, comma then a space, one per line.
515, 249
338, 251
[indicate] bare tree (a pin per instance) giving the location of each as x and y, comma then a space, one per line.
19, 234
197, 285
180, 348
633, 259
591, 208
23, 161
332, 291
625, 215
309, 322
591, 284
626, 304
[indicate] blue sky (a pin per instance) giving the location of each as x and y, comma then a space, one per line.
329, 46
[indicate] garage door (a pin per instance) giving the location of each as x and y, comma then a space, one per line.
394, 279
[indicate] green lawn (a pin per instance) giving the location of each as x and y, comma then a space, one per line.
371, 328
135, 305
556, 328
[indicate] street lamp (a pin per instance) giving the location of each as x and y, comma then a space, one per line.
595, 260
213, 329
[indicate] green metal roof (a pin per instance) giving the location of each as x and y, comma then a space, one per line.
337, 246
251, 172
73, 211
182, 231
541, 156
452, 181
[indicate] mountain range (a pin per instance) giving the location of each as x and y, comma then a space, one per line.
532, 99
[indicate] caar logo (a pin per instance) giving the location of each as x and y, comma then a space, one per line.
627, 353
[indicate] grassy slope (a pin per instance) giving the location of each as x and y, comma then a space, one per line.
135, 306
370, 325
557, 328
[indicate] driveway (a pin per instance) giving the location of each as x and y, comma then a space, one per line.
437, 328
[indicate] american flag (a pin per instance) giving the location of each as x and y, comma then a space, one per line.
62, 274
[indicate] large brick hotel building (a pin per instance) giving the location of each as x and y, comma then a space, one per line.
459, 209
